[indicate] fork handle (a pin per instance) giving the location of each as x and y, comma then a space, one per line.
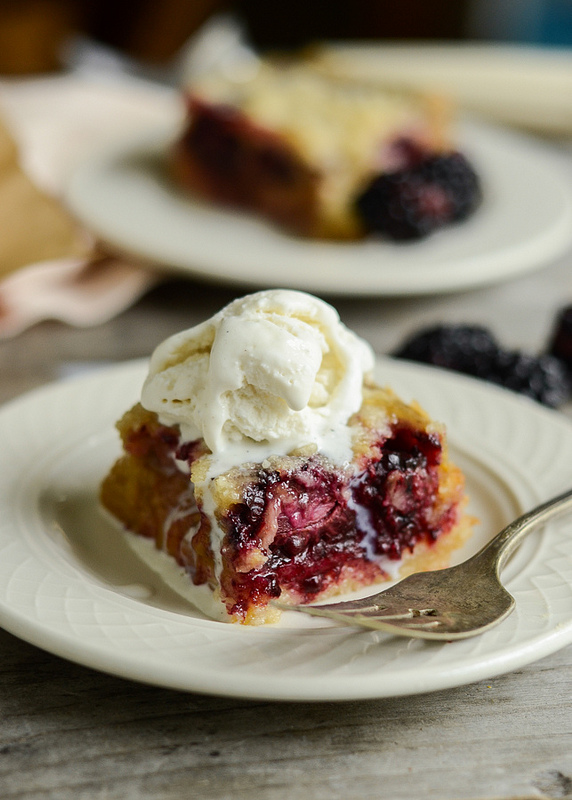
506, 542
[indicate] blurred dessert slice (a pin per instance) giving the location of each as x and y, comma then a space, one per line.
308, 149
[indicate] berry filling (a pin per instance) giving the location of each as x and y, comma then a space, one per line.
234, 162
302, 530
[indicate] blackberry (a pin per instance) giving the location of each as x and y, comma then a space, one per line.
561, 343
474, 351
471, 349
412, 202
543, 378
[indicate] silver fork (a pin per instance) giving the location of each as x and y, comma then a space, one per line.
452, 603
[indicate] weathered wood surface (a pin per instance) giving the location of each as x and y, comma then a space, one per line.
70, 733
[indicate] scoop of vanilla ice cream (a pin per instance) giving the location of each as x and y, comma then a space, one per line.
275, 367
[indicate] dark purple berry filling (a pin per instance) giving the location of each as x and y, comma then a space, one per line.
397, 493
213, 138
314, 523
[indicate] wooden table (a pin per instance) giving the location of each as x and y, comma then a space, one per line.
69, 732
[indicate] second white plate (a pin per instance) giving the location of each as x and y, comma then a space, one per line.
524, 223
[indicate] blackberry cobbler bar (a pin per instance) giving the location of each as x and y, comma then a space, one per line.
295, 527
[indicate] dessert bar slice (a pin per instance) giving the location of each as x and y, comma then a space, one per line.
324, 156
296, 527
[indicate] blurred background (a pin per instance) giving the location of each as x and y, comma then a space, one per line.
34, 32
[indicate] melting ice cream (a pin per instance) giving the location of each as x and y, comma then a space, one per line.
269, 373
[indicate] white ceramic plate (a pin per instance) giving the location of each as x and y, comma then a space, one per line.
70, 585
524, 223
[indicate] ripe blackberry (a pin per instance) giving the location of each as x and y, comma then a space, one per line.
471, 349
544, 378
474, 351
412, 202
561, 343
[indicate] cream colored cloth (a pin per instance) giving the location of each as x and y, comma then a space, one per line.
50, 267
525, 86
